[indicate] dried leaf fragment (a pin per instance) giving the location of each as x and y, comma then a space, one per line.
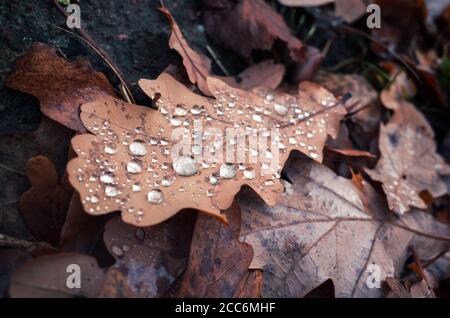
60, 86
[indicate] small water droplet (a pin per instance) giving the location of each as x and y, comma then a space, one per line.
280, 109
140, 234
292, 141
175, 122
257, 118
136, 187
138, 148
111, 191
269, 97
94, 199
116, 250
181, 110
185, 166
197, 109
155, 196
227, 171
134, 166
111, 148
214, 179
314, 155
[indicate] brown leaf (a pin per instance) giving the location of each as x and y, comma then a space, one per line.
51, 140
198, 66
60, 86
267, 74
149, 187
251, 25
148, 260
47, 276
218, 262
409, 163
305, 239
45, 205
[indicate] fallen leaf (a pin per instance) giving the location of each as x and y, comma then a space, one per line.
198, 66
304, 240
267, 74
148, 260
349, 10
251, 25
60, 86
409, 163
51, 140
218, 262
127, 164
45, 205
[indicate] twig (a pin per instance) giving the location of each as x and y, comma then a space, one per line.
103, 55
218, 62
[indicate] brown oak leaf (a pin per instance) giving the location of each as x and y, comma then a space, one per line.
45, 205
409, 163
60, 86
127, 165
325, 228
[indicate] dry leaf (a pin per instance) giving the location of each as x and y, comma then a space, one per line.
251, 25
60, 86
127, 165
409, 163
46, 277
198, 66
45, 205
218, 262
324, 228
267, 74
51, 140
147, 262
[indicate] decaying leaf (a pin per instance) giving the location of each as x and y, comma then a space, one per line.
51, 140
148, 260
325, 228
60, 86
218, 262
44, 206
267, 74
409, 163
127, 164
198, 66
251, 25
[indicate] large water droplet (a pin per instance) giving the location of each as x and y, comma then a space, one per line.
138, 148
111, 148
155, 196
111, 191
107, 178
185, 166
134, 166
94, 199
249, 173
227, 171
116, 250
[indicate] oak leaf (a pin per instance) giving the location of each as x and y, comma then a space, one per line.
60, 86
126, 164
409, 163
325, 228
